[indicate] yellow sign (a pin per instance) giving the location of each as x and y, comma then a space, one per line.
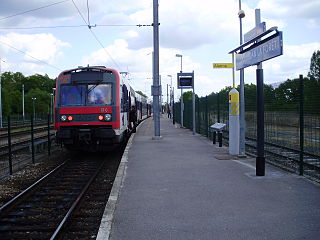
222, 65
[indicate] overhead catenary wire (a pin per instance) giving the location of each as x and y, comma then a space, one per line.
41, 27
95, 36
75, 26
31, 10
50, 65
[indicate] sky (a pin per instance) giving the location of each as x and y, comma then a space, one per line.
49, 36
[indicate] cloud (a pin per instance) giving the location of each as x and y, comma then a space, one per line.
44, 47
139, 62
188, 25
287, 9
37, 50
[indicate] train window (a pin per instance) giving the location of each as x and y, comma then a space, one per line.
72, 95
99, 94
124, 101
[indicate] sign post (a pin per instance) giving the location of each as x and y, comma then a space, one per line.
234, 123
186, 81
258, 50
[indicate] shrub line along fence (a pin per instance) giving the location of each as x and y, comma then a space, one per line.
292, 137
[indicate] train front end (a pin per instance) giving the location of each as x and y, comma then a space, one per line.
87, 109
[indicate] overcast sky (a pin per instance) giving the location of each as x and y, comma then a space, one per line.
203, 31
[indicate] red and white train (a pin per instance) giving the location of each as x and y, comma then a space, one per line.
91, 110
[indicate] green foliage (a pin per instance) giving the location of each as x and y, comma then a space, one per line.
314, 72
142, 94
37, 86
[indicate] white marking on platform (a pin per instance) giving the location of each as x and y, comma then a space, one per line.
245, 164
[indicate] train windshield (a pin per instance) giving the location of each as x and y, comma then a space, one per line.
99, 94
72, 95
81, 95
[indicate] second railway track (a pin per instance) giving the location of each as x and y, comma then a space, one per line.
42, 211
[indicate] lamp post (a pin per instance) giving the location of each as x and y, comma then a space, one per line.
180, 56
34, 110
170, 76
242, 137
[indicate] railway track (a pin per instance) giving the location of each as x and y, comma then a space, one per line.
43, 209
287, 158
21, 132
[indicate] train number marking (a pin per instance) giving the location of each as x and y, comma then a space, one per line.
104, 110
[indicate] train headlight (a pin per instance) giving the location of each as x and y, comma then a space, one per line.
63, 118
70, 118
100, 117
107, 117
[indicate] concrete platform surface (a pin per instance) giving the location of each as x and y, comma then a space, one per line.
183, 187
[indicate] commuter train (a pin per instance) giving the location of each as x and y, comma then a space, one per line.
91, 108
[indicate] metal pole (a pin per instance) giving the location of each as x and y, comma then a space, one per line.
193, 110
23, 115
49, 139
9, 146
182, 105
156, 92
218, 106
301, 125
0, 96
260, 159
173, 114
242, 137
167, 95
206, 117
32, 140
34, 109
51, 107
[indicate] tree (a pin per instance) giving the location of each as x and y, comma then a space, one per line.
142, 94
314, 72
34, 86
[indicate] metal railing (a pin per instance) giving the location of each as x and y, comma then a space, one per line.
19, 146
292, 136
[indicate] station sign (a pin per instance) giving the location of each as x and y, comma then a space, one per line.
185, 80
222, 65
261, 28
266, 49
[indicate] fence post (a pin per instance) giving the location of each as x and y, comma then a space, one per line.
49, 137
32, 140
9, 146
206, 117
301, 121
218, 108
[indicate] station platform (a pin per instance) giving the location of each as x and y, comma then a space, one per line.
184, 187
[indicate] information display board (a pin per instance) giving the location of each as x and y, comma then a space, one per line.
185, 80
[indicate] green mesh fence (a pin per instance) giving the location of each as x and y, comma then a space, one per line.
292, 122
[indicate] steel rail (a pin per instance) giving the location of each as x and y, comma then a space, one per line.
74, 205
288, 157
17, 198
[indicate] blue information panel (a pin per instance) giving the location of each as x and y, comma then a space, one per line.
185, 80
268, 48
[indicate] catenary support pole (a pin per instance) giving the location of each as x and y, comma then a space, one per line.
156, 89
